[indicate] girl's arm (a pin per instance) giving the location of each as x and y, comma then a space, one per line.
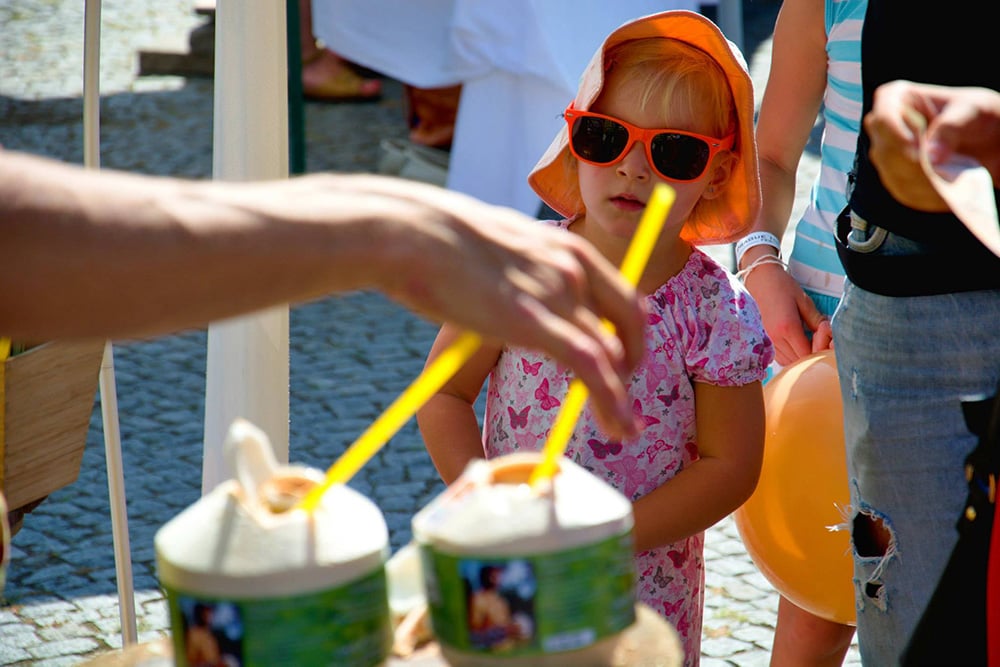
448, 420
788, 111
730, 423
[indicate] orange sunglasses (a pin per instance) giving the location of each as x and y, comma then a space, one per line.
675, 155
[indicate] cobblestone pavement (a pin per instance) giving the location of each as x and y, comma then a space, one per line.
350, 355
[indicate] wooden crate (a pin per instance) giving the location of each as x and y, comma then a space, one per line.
48, 396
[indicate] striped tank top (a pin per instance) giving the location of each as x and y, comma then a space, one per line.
814, 262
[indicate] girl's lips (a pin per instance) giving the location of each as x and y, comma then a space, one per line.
627, 203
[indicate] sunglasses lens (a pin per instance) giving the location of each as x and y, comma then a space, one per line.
598, 140
679, 156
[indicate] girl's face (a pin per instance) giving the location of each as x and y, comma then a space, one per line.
615, 195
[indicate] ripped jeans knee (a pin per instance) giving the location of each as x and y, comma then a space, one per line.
874, 546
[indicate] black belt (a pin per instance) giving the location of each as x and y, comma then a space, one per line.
923, 273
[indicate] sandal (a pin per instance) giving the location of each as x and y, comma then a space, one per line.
326, 77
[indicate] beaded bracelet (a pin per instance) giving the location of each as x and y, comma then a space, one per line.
743, 274
755, 239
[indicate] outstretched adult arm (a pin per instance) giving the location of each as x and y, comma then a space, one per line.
109, 254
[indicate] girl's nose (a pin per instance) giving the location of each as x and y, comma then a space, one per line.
634, 163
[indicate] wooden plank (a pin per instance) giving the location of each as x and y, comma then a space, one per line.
48, 398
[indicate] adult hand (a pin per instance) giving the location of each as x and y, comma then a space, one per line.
952, 120
514, 280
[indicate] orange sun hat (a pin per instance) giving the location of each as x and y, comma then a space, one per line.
740, 203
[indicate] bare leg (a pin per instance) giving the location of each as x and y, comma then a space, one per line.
802, 639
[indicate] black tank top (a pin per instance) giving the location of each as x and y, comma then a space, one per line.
953, 44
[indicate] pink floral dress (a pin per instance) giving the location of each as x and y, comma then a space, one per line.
703, 327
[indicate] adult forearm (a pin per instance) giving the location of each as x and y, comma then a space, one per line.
778, 186
127, 256
106, 254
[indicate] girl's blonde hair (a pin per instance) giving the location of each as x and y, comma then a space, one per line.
681, 81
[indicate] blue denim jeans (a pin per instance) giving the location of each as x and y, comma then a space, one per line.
906, 364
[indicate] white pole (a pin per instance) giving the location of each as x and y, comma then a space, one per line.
247, 369
109, 394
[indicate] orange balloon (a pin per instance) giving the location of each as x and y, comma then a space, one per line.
803, 489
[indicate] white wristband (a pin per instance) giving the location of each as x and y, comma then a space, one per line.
755, 239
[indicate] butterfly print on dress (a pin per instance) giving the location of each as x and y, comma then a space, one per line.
545, 399
665, 298
655, 374
518, 419
662, 580
647, 420
678, 558
671, 608
651, 451
602, 449
668, 399
633, 476
527, 440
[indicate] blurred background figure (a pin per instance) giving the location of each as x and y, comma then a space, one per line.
326, 77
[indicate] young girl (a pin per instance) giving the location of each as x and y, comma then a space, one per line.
697, 394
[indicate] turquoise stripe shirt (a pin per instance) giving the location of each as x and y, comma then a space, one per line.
814, 262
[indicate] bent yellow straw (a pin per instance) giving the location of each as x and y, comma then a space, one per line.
368, 443
632, 267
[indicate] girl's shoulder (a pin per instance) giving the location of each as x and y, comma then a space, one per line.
704, 297
702, 279
709, 315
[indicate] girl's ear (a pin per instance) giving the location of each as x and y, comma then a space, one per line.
721, 172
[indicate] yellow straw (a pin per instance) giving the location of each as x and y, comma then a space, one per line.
632, 267
429, 381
